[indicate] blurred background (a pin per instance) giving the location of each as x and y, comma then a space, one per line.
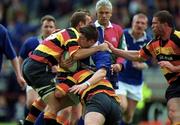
22, 18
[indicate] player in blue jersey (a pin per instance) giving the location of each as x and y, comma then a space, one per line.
48, 25
130, 80
7, 49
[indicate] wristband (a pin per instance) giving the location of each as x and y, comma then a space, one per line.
87, 83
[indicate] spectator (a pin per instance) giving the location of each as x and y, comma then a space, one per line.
131, 79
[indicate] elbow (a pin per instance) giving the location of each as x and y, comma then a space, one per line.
75, 57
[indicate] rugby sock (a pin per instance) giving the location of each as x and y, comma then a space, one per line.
50, 119
35, 110
62, 119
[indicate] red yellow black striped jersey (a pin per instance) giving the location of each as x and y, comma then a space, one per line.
103, 86
168, 50
50, 50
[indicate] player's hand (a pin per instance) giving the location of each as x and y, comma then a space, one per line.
77, 89
116, 68
65, 63
168, 65
21, 82
111, 47
139, 65
104, 47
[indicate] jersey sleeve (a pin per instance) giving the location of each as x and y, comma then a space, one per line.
122, 45
24, 51
145, 52
71, 37
8, 47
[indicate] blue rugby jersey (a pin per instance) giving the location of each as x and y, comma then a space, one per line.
101, 59
29, 45
132, 75
5, 45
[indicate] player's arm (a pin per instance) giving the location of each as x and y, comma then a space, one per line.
97, 76
17, 70
130, 55
102, 61
86, 52
170, 66
20, 60
11, 55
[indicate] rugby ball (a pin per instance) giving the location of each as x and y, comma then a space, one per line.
74, 66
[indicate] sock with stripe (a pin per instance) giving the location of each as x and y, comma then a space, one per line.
63, 119
35, 110
50, 119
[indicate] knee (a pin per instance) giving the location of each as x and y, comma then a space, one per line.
123, 104
29, 102
67, 111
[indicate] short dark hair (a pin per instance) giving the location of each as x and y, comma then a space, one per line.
90, 32
84, 10
48, 18
165, 17
78, 17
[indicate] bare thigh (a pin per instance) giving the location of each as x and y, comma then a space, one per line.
94, 118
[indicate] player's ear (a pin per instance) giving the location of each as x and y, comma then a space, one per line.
92, 42
81, 24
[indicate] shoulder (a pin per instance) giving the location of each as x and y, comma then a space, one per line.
126, 31
69, 31
177, 33
175, 37
152, 41
116, 26
31, 40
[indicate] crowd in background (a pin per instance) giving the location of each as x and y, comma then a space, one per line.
21, 17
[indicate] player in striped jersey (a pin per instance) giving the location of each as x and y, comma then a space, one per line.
35, 104
37, 68
98, 97
165, 49
94, 88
